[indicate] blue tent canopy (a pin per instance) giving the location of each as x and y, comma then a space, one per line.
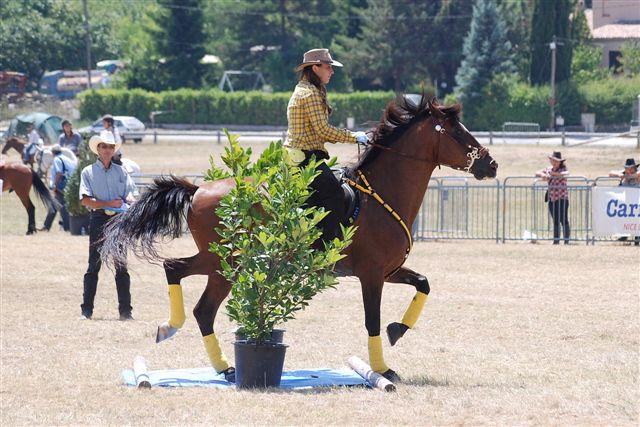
48, 125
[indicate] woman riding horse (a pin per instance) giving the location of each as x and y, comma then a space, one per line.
308, 116
392, 176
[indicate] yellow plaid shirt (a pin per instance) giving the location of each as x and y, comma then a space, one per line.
308, 118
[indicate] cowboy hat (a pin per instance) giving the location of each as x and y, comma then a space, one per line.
317, 56
630, 163
105, 137
556, 156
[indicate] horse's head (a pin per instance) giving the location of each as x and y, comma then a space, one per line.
43, 159
455, 146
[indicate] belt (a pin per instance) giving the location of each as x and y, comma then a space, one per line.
106, 212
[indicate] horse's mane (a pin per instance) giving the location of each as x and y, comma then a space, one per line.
398, 116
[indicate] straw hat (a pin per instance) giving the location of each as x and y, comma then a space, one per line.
105, 137
317, 56
557, 156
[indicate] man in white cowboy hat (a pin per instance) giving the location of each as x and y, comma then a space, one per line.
105, 189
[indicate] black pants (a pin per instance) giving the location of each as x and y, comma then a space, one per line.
97, 221
64, 214
559, 211
327, 194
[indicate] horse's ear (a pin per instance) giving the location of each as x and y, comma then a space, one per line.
434, 108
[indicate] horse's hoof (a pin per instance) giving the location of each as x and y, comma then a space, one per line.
230, 374
30, 232
391, 375
165, 331
395, 331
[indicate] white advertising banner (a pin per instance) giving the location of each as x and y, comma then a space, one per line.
616, 210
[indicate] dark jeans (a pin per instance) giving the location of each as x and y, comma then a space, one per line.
559, 211
327, 194
64, 214
97, 221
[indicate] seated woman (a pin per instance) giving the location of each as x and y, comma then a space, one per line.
309, 129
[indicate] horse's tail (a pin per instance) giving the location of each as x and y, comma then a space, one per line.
43, 192
160, 212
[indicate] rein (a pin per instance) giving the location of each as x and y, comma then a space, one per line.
367, 189
474, 154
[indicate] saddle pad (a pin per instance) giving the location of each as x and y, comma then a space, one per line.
207, 377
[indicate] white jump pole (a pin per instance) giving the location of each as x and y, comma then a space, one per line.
374, 378
140, 371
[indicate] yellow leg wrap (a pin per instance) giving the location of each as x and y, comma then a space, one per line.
218, 361
376, 358
413, 311
176, 302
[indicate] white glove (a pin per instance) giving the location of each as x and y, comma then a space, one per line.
361, 138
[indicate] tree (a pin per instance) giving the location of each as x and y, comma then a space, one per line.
446, 34
550, 19
271, 36
630, 57
486, 51
41, 35
392, 47
585, 64
180, 42
517, 15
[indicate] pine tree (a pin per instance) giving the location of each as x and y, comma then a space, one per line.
180, 41
393, 45
549, 19
486, 52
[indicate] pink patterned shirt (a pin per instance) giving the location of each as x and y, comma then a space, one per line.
557, 185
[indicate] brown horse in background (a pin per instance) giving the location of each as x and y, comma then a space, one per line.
16, 143
407, 145
20, 178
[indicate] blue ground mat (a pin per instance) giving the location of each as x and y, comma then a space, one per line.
207, 377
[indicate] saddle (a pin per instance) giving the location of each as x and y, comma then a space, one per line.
351, 197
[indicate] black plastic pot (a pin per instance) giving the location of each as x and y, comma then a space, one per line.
259, 365
79, 225
277, 336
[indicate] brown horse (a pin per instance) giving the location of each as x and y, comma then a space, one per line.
20, 178
15, 143
407, 145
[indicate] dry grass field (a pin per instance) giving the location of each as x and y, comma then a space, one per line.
512, 334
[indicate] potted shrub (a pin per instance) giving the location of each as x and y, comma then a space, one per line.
78, 214
265, 248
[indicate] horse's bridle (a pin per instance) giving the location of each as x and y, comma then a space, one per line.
473, 154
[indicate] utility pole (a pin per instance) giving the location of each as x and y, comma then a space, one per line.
87, 38
552, 101
553, 46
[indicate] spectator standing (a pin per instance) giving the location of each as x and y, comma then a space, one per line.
69, 138
61, 169
557, 195
109, 124
105, 189
629, 176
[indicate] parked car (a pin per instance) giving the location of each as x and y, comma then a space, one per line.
128, 126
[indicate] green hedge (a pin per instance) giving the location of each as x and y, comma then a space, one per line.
610, 99
505, 99
216, 107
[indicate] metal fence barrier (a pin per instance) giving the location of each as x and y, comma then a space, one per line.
511, 210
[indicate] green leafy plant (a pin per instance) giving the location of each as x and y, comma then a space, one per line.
267, 234
72, 190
